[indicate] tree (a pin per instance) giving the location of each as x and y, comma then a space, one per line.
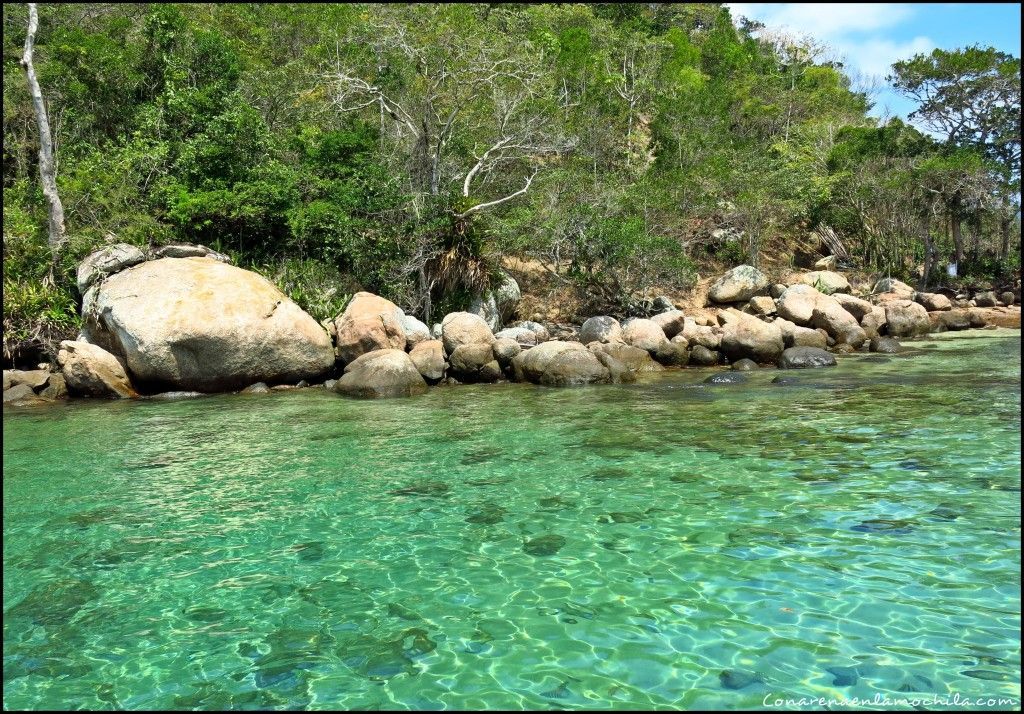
971, 97
47, 166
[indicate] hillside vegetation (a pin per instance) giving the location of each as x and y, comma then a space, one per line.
605, 151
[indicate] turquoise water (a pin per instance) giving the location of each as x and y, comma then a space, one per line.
660, 545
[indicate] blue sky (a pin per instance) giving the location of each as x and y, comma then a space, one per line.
869, 37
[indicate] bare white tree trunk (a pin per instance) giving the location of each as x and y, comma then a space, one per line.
47, 170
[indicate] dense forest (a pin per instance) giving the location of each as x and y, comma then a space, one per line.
415, 150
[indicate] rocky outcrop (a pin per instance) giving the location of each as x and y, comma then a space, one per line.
738, 285
505, 350
463, 328
428, 358
199, 324
806, 357
368, 323
381, 374
904, 318
106, 262
91, 371
753, 338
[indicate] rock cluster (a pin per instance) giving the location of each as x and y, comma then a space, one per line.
183, 319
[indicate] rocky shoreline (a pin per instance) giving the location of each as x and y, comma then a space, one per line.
182, 321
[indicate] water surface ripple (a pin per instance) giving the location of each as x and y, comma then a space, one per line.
667, 544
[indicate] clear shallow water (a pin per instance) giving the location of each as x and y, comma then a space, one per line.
658, 545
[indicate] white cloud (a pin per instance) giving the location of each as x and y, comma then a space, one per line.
826, 20
858, 32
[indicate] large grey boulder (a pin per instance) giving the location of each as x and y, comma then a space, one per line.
738, 285
91, 371
415, 331
379, 374
906, 319
498, 305
645, 334
826, 281
520, 335
106, 262
829, 315
985, 299
35, 378
505, 350
885, 345
797, 302
576, 367
463, 328
873, 322
601, 328
563, 364
933, 302
470, 363
703, 357
854, 305
368, 323
21, 395
428, 358
632, 358
892, 286
671, 322
196, 324
187, 250
753, 338
795, 336
805, 357
542, 333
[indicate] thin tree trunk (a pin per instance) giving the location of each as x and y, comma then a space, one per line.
1004, 230
47, 169
958, 242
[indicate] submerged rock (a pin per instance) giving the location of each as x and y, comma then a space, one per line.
544, 545
885, 345
805, 357
727, 378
